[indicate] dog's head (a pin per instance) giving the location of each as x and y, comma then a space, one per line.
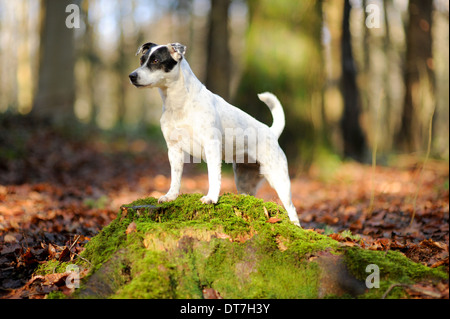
159, 64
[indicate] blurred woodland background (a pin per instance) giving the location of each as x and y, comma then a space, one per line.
353, 76
361, 82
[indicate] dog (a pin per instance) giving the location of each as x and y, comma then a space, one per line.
197, 122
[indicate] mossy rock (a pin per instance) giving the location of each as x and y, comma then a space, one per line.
242, 247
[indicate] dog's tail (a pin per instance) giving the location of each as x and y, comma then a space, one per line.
277, 112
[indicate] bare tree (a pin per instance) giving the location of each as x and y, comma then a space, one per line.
56, 85
218, 64
418, 70
353, 137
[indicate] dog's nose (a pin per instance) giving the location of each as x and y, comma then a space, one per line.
133, 77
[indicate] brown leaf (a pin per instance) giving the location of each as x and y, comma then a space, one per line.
433, 244
131, 228
51, 251
8, 249
57, 279
65, 255
420, 290
336, 237
10, 238
348, 243
209, 293
384, 242
440, 263
223, 236
274, 220
243, 238
356, 225
28, 257
376, 246
397, 244
281, 242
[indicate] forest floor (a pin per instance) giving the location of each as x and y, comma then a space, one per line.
58, 191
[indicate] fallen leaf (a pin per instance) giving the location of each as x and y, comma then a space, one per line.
28, 257
281, 243
57, 279
421, 289
432, 244
131, 228
210, 293
336, 237
348, 243
357, 225
440, 263
376, 246
223, 236
65, 255
51, 251
274, 220
10, 238
243, 238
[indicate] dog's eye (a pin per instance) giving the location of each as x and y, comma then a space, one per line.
142, 60
155, 61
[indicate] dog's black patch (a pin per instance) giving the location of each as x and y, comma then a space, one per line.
145, 48
143, 58
160, 60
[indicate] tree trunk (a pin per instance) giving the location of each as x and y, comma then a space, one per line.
121, 71
91, 58
418, 71
234, 251
353, 137
56, 85
218, 64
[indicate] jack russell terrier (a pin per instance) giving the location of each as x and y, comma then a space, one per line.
197, 122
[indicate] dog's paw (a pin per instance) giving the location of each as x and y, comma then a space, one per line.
163, 199
297, 223
208, 200
167, 198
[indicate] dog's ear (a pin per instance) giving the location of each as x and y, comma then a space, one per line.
177, 50
145, 47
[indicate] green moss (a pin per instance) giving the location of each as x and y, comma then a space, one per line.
392, 265
108, 241
394, 268
50, 267
56, 295
181, 247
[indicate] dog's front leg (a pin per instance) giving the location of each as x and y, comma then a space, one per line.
176, 159
213, 154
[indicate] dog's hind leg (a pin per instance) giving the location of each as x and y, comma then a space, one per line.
247, 177
278, 177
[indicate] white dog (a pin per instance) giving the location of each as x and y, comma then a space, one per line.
197, 122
